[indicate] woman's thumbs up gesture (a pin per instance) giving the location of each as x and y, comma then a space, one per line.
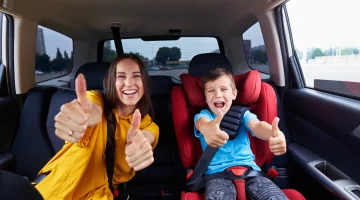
138, 150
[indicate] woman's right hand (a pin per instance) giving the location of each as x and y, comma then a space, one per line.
73, 119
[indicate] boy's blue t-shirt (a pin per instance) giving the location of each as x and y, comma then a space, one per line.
235, 152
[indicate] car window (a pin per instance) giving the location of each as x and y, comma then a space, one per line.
54, 54
169, 58
327, 43
255, 49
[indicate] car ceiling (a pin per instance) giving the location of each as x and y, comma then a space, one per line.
82, 19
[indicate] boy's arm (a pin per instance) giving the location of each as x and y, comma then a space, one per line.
211, 130
260, 129
200, 122
265, 131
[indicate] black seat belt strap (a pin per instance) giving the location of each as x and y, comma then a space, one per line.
117, 40
230, 123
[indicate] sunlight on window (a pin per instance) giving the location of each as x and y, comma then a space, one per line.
327, 43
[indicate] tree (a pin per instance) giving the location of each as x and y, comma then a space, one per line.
259, 55
58, 54
346, 51
109, 55
175, 54
66, 56
356, 51
143, 58
330, 52
168, 54
162, 55
317, 52
42, 63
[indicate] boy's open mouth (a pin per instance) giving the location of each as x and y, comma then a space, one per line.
129, 92
219, 104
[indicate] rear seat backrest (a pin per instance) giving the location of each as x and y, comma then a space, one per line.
166, 173
94, 73
60, 97
202, 63
32, 148
35, 142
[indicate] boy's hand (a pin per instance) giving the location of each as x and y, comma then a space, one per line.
212, 133
277, 142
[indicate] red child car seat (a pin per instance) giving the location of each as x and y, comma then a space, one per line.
188, 99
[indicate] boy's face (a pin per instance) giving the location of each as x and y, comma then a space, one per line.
220, 94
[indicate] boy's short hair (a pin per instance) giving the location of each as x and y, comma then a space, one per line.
216, 73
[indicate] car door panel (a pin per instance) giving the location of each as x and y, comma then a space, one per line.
8, 121
323, 128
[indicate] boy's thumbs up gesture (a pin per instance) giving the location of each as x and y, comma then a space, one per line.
211, 130
277, 142
138, 150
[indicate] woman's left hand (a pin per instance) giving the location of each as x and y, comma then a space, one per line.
138, 149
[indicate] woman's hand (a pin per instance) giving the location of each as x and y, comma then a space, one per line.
74, 117
138, 150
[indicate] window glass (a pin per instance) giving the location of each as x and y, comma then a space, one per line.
255, 49
327, 43
169, 58
54, 54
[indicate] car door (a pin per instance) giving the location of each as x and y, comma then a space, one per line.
9, 109
320, 45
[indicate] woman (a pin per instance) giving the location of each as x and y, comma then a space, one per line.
78, 170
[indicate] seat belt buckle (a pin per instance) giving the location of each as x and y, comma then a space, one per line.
272, 172
116, 193
237, 170
189, 174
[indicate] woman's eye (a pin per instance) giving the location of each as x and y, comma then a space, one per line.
121, 77
136, 76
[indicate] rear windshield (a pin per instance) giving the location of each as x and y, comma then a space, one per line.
165, 57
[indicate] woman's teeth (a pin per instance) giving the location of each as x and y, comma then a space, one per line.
129, 92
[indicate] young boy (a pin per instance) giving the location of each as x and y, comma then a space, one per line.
220, 91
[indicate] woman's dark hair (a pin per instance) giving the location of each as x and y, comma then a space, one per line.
110, 97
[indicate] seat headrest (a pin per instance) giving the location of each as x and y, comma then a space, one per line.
94, 73
203, 63
248, 86
161, 85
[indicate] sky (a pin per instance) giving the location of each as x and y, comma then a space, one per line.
314, 23
324, 23
54, 40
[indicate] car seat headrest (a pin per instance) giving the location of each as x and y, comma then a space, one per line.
248, 86
203, 63
94, 73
